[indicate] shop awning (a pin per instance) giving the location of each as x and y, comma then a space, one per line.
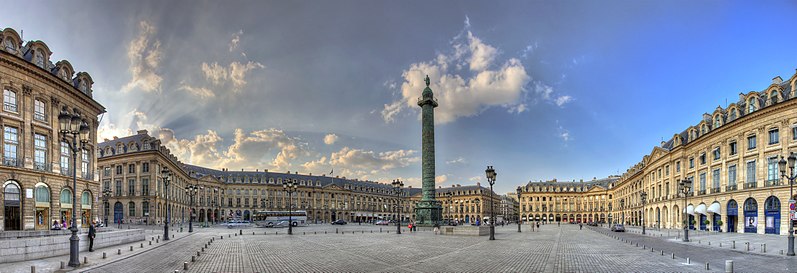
701, 209
714, 208
690, 210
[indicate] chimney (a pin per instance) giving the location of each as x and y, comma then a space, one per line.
105, 140
478, 184
777, 80
142, 132
257, 170
115, 138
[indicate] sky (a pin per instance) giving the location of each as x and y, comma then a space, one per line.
538, 89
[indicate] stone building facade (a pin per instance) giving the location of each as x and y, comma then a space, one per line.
731, 156
37, 165
130, 169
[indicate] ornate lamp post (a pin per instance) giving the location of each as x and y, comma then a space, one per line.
106, 193
782, 164
398, 185
685, 185
290, 188
518, 199
450, 196
166, 176
622, 211
644, 196
191, 191
491, 174
72, 125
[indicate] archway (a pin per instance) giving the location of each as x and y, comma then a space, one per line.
85, 208
750, 215
732, 215
42, 196
772, 214
66, 206
118, 212
716, 216
12, 204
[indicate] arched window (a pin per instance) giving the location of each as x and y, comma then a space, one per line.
733, 114
82, 86
751, 105
38, 58
66, 197
85, 200
65, 75
773, 97
704, 130
42, 194
10, 45
717, 121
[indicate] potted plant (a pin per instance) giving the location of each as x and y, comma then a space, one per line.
719, 225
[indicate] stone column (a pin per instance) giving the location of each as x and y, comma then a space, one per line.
428, 211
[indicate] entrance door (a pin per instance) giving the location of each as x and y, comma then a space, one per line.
703, 222
12, 211
714, 222
117, 212
732, 220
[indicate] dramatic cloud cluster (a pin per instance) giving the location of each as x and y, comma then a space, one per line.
236, 73
461, 95
330, 139
200, 92
362, 163
145, 55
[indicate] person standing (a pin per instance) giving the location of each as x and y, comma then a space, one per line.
92, 234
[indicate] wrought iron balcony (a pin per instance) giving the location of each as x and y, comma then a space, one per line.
10, 161
39, 166
750, 185
701, 192
730, 187
715, 190
772, 183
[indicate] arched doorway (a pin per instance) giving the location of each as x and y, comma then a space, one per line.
201, 215
118, 212
42, 196
772, 214
85, 209
716, 216
701, 210
66, 206
750, 215
246, 215
12, 204
732, 215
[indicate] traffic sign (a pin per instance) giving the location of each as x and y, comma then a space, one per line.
793, 215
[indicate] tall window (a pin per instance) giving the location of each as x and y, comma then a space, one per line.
107, 171
774, 136
716, 122
145, 167
751, 171
732, 148
732, 175
702, 158
39, 112
132, 208
84, 163
38, 58
702, 181
64, 158
733, 114
751, 105
40, 151
118, 169
794, 132
751, 142
677, 166
691, 163
11, 142
131, 168
716, 153
131, 187
118, 187
772, 170
9, 100
144, 186
106, 185
715, 179
145, 208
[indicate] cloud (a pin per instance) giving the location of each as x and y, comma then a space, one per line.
236, 38
459, 94
546, 92
520, 108
529, 50
235, 73
563, 133
330, 139
361, 163
145, 55
458, 160
201, 92
475, 179
440, 179
562, 100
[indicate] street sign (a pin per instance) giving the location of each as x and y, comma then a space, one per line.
792, 215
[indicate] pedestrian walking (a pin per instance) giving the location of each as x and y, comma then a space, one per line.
92, 234
436, 229
538, 226
409, 226
580, 226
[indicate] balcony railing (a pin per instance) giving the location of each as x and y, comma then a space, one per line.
730, 187
715, 190
750, 185
12, 107
701, 192
13, 162
772, 183
39, 166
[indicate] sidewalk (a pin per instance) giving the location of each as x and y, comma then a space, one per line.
776, 245
53, 264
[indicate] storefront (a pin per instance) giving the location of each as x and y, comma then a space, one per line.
42, 197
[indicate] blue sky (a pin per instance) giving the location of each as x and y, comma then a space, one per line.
540, 90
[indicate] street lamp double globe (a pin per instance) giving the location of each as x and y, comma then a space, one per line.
75, 132
491, 174
685, 185
191, 190
518, 200
290, 188
644, 196
166, 176
106, 193
398, 185
791, 176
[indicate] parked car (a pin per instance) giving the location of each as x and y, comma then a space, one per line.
594, 224
383, 222
618, 228
237, 223
339, 222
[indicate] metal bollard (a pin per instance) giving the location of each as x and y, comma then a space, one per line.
698, 242
193, 258
156, 241
131, 248
781, 252
142, 245
32, 269
688, 261
720, 244
765, 248
241, 231
150, 242
302, 232
673, 256
185, 265
336, 231
728, 266
85, 260
748, 245
734, 245
62, 264
709, 243
118, 251
662, 253
707, 268
104, 256
197, 254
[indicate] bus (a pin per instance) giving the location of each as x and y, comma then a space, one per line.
272, 218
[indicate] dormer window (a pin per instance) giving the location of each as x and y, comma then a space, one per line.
774, 97
733, 114
64, 74
10, 45
751, 105
38, 58
704, 130
717, 121
82, 86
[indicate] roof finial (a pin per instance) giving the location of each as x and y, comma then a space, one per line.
427, 80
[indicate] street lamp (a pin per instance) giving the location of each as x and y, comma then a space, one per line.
106, 193
166, 175
782, 164
72, 125
450, 195
490, 173
191, 191
290, 187
622, 211
518, 199
685, 185
644, 196
398, 184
